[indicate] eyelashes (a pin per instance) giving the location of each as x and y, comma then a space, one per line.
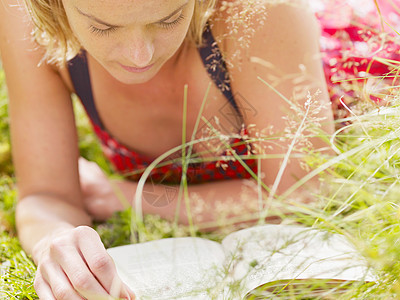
170, 25
102, 32
108, 31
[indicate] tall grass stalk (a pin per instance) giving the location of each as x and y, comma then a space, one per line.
184, 182
186, 162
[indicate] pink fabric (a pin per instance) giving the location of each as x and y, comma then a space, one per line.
353, 41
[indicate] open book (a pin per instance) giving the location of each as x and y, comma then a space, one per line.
276, 257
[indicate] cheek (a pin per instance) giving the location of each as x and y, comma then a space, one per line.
168, 43
172, 40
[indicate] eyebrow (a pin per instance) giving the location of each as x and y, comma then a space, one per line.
117, 26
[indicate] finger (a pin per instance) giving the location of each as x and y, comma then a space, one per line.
42, 289
59, 284
101, 264
119, 288
79, 274
90, 171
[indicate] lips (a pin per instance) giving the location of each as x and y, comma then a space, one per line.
136, 70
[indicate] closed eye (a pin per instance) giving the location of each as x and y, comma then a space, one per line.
167, 23
101, 32
172, 24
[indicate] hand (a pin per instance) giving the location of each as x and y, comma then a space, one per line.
75, 265
98, 194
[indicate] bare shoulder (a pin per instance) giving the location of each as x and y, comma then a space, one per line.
270, 46
17, 47
264, 27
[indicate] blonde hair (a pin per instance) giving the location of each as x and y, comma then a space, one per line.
52, 30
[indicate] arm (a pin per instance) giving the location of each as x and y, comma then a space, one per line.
40, 108
284, 52
45, 156
211, 204
289, 39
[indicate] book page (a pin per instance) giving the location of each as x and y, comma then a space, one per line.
175, 268
269, 253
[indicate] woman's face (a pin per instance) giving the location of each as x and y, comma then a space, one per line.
131, 39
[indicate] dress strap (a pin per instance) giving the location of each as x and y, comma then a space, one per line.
216, 67
79, 73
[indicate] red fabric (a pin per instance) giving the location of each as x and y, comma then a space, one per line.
132, 165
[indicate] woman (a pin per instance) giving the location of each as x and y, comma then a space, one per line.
129, 63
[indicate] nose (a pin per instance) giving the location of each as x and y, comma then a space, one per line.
140, 50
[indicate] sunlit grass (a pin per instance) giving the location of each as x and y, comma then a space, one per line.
359, 197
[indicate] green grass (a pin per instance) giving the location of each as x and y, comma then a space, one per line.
360, 198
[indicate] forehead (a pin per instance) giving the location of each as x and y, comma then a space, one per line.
126, 4
126, 10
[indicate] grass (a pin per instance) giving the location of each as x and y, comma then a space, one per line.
360, 198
